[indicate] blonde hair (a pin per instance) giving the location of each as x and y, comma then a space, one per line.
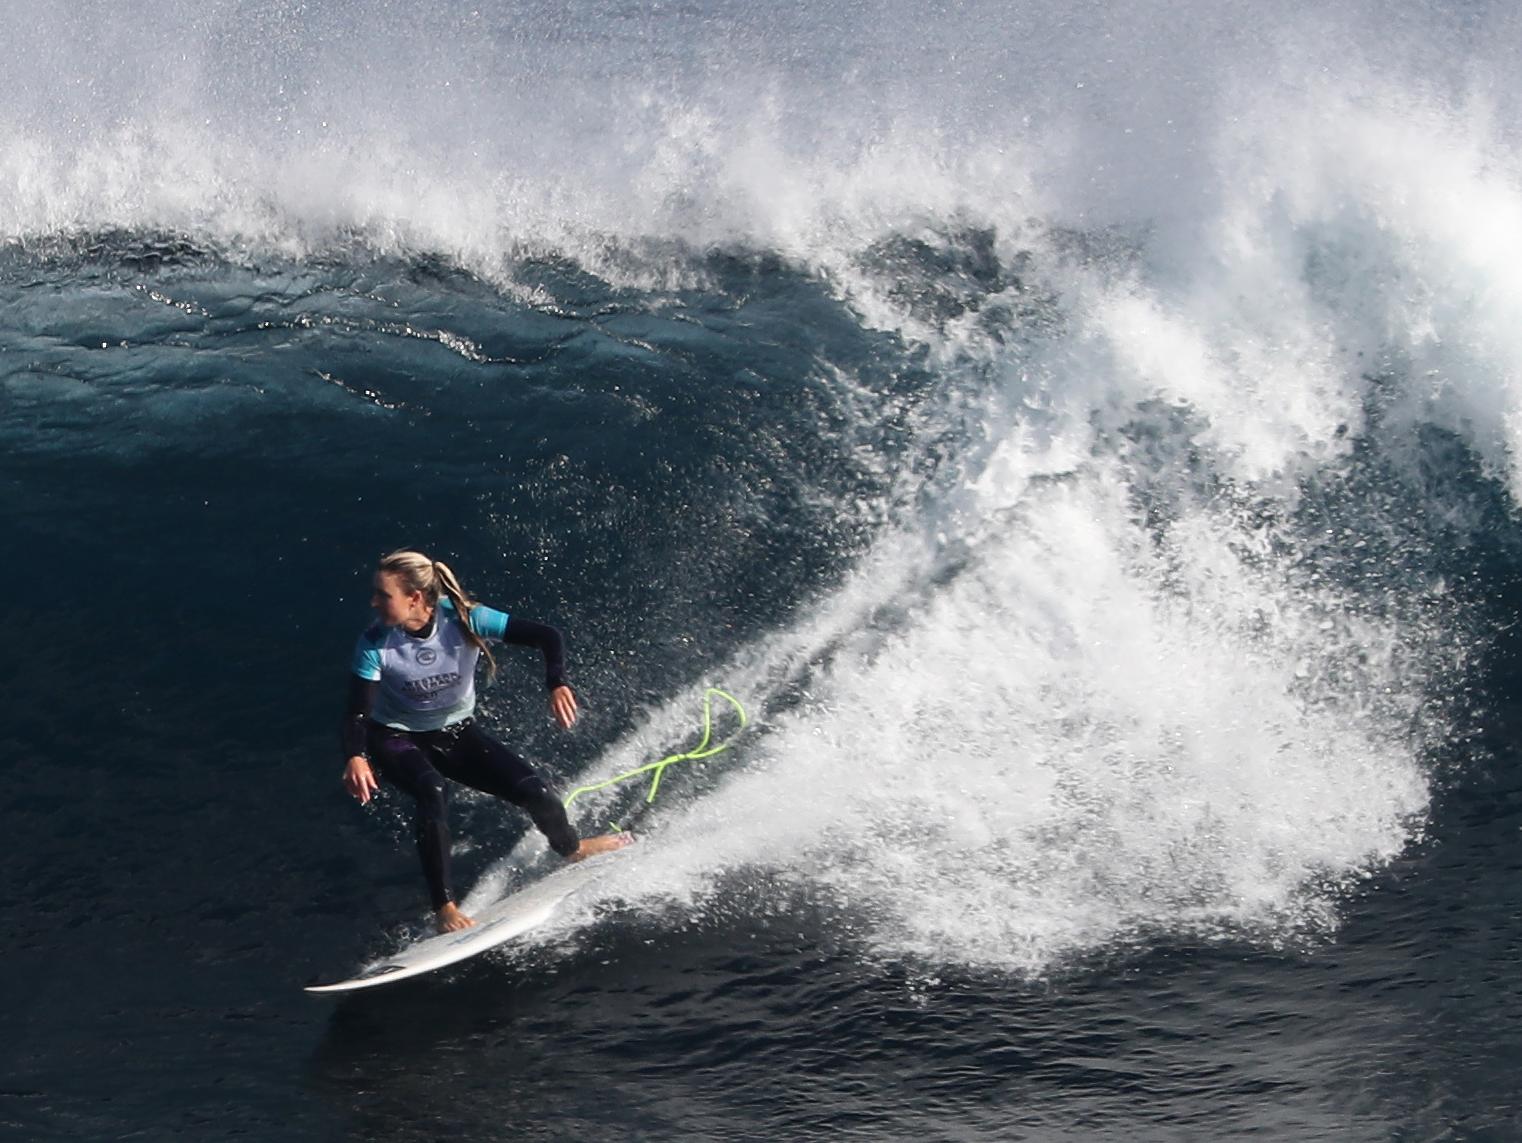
416, 572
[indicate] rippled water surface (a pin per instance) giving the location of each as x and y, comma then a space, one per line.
1084, 438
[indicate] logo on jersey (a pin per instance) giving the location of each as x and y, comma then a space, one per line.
422, 688
427, 657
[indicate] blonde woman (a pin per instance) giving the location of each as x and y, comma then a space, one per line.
410, 714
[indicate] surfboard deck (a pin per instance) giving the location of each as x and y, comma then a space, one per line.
495, 925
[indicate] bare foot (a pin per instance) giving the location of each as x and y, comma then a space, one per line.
590, 846
451, 920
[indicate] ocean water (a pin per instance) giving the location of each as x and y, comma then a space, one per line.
1085, 436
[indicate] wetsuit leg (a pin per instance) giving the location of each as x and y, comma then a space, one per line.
475, 758
406, 765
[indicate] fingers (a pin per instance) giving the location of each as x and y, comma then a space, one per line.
563, 706
360, 781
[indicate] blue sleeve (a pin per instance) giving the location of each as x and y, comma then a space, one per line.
367, 660
488, 622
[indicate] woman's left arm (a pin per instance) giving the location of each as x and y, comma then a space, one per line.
551, 644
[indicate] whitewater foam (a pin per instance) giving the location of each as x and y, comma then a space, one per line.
1102, 672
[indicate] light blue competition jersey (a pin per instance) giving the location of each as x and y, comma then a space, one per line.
426, 684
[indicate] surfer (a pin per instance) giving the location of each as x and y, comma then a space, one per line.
411, 706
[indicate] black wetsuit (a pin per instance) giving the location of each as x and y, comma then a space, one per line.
419, 761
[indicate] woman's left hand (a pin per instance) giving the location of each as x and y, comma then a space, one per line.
563, 706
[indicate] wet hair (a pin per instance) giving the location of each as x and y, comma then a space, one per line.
434, 578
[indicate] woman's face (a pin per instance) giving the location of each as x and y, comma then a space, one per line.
396, 606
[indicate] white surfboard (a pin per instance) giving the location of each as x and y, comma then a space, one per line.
508, 918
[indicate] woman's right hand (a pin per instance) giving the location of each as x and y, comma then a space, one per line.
359, 779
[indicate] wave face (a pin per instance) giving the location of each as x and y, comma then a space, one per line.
1085, 435
1063, 426
1070, 432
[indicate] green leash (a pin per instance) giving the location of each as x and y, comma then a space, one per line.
696, 754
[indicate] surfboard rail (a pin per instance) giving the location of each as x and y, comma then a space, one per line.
495, 925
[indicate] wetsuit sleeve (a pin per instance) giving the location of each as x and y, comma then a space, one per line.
551, 644
488, 622
356, 723
367, 657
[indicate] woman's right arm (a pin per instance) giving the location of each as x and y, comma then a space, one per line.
359, 778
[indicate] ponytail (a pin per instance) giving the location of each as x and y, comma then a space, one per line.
463, 606
434, 578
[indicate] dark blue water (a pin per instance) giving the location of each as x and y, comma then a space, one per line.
1083, 438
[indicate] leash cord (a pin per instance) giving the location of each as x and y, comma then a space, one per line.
699, 752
